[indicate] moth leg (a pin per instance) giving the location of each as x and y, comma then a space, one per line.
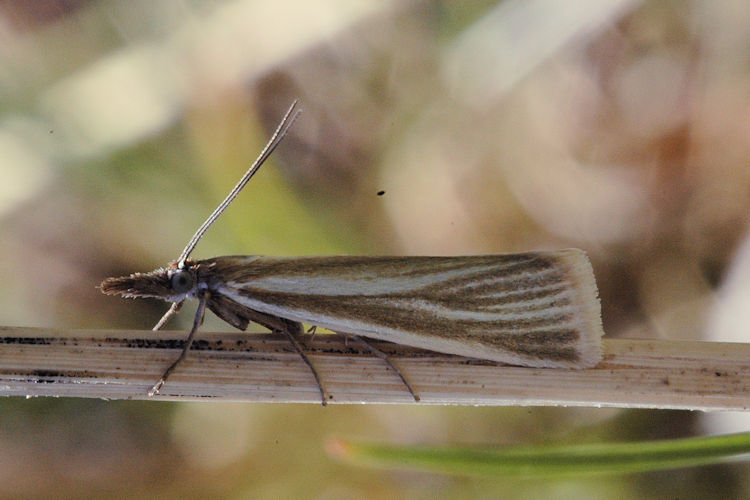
174, 309
239, 316
292, 332
292, 338
196, 323
377, 352
311, 332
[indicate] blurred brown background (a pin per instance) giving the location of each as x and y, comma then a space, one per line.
615, 126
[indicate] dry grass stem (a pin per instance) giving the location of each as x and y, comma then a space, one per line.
121, 364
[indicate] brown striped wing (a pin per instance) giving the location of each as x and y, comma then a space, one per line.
534, 309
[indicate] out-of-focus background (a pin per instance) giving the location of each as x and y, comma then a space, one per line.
616, 126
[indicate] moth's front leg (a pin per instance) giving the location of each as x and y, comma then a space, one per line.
199, 314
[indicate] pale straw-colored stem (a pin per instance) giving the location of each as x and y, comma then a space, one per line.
121, 364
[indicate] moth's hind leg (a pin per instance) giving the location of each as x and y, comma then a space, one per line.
377, 352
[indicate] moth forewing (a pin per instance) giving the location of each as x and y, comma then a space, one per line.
533, 309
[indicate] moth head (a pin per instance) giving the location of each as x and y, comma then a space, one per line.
171, 284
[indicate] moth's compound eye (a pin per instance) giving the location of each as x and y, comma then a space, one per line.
182, 281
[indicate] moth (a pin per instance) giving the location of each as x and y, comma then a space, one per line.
536, 309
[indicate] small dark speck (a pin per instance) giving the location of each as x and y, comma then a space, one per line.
381, 193
51, 131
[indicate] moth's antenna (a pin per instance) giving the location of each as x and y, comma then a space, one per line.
273, 142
